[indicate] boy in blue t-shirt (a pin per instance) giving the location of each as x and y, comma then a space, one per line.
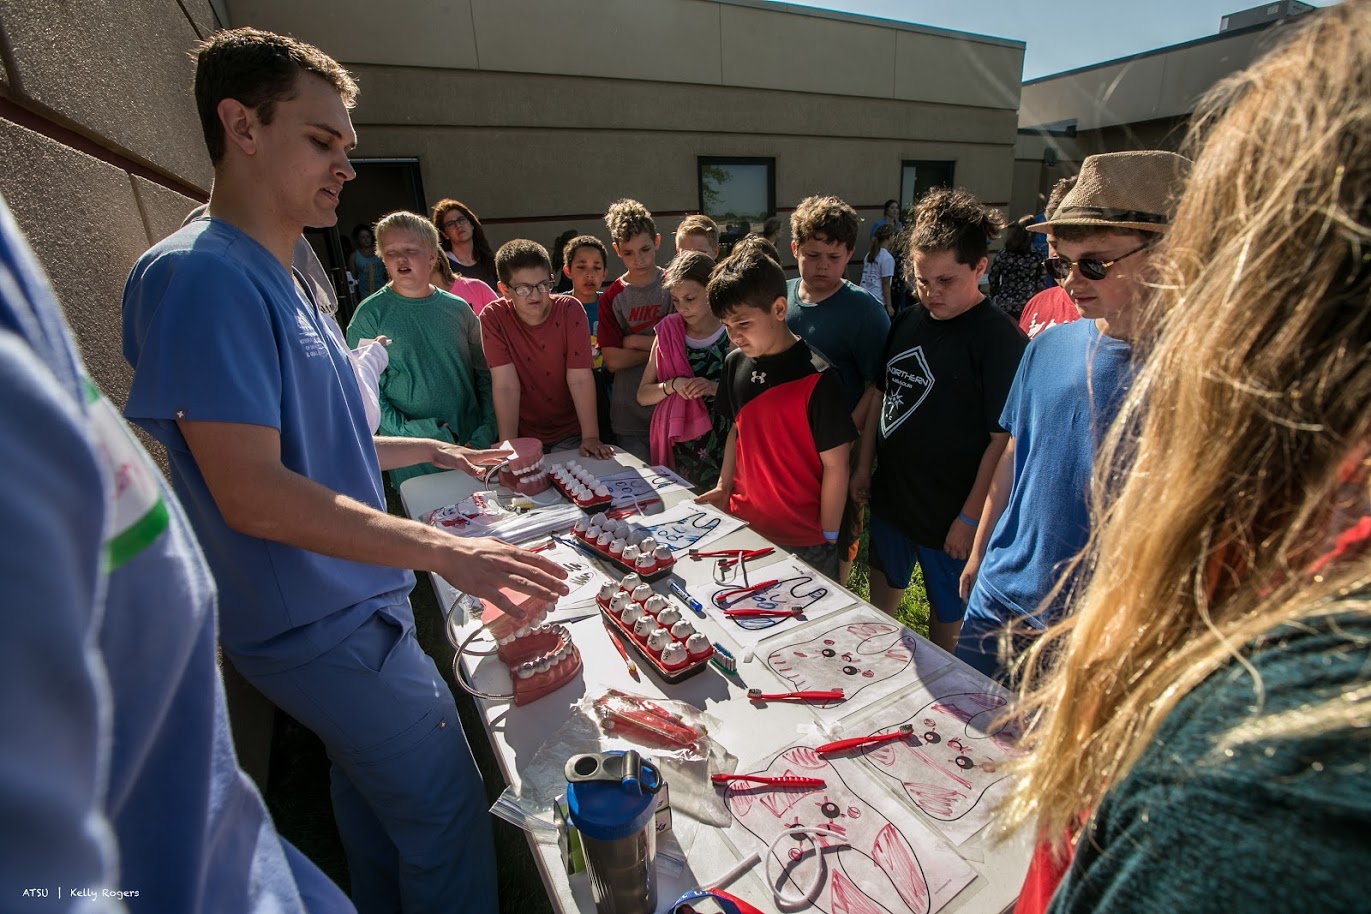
1067, 391
838, 319
271, 453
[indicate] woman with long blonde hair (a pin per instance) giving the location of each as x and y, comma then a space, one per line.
1200, 727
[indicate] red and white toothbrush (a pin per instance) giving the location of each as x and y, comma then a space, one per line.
812, 695
788, 780
855, 742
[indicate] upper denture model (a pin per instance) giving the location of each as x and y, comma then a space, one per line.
525, 472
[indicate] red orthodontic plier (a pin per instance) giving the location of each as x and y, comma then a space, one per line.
744, 556
857, 741
789, 780
813, 695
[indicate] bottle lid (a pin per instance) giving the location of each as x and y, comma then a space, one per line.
611, 795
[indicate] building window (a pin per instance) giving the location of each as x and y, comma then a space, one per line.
737, 193
917, 178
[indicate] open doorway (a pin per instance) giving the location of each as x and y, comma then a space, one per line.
381, 186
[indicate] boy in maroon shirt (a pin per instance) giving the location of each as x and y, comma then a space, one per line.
538, 347
785, 463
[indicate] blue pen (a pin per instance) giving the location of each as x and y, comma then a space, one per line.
695, 606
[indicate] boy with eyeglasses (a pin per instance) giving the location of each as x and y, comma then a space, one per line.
1068, 388
538, 346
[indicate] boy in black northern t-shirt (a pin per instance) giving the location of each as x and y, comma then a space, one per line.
785, 462
948, 366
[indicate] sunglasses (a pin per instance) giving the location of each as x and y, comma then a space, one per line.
1059, 267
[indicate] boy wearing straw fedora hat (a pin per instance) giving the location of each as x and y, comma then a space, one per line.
1067, 390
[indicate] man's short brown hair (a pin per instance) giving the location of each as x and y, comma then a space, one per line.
257, 69
520, 254
825, 219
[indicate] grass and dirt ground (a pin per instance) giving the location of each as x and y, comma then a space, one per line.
298, 788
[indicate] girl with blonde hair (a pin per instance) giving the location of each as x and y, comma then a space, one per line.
1199, 726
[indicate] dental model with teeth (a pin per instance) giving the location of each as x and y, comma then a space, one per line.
541, 657
538, 347
584, 489
525, 472
613, 539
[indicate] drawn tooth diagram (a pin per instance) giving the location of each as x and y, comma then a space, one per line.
953, 766
884, 862
688, 526
854, 657
795, 586
639, 485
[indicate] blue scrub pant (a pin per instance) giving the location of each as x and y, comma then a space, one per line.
408, 798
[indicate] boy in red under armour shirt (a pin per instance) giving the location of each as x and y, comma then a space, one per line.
785, 462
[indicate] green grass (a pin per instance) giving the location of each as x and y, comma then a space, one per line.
913, 609
298, 791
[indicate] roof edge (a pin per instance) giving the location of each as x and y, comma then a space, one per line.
816, 12
1194, 42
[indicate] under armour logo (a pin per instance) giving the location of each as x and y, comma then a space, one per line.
759, 377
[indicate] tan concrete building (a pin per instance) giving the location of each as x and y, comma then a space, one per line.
1143, 101
538, 113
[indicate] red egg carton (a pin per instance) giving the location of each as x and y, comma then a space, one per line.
692, 666
590, 506
659, 570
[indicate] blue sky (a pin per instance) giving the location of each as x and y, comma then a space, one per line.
1062, 34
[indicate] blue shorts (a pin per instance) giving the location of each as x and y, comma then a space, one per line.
986, 622
894, 554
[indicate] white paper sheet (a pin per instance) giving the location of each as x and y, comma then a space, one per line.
583, 577
866, 653
687, 526
642, 485
797, 586
884, 860
952, 768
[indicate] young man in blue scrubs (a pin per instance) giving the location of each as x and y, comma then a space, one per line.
117, 771
270, 451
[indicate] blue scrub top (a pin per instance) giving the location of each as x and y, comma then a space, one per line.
217, 330
117, 770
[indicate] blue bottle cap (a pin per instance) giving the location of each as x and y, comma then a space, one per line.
611, 795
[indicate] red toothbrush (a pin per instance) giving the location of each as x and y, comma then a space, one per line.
813, 695
789, 780
744, 613
856, 741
